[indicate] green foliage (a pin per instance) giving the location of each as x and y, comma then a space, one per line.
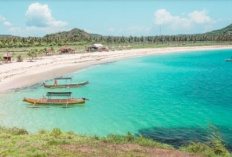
30, 55
56, 132
19, 58
95, 137
227, 30
18, 131
52, 48
42, 131
214, 148
57, 142
151, 143
129, 138
17, 142
37, 153
80, 37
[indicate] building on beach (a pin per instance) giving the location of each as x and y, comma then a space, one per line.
49, 52
6, 57
96, 47
66, 50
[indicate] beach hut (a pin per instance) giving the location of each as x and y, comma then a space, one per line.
49, 52
97, 47
66, 50
7, 57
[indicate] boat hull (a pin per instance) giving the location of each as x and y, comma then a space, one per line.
65, 85
55, 101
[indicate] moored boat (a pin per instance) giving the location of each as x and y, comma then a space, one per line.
51, 101
66, 85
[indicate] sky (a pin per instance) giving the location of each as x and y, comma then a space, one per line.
114, 17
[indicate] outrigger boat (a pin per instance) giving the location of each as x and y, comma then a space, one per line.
50, 101
55, 85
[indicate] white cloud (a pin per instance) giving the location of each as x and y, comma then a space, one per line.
111, 29
2, 18
4, 21
39, 15
34, 31
200, 17
163, 17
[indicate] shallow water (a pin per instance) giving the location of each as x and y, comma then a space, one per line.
171, 98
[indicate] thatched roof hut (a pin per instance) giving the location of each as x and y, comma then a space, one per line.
66, 49
7, 57
49, 52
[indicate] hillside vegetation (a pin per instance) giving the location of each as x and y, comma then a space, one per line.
18, 142
74, 33
80, 37
224, 31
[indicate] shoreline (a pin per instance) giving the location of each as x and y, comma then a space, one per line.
17, 75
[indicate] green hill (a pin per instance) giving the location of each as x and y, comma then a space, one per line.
223, 31
74, 33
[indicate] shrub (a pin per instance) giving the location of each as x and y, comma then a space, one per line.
56, 132
18, 131
19, 58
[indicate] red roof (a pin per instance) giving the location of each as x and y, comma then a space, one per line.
65, 48
49, 50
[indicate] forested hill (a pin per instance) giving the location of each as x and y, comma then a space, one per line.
224, 31
74, 33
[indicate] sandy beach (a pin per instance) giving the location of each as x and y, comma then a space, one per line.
21, 74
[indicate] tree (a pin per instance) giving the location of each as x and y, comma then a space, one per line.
40, 53
19, 58
30, 55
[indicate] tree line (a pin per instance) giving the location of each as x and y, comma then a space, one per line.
14, 42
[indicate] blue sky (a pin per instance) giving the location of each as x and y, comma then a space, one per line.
114, 17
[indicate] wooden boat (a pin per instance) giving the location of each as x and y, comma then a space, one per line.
50, 101
66, 85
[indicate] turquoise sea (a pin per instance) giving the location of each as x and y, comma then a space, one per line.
171, 98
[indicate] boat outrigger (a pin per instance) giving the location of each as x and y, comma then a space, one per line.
55, 85
50, 101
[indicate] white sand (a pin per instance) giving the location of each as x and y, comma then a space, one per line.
20, 74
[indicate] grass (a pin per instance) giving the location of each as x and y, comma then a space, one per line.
213, 148
18, 142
